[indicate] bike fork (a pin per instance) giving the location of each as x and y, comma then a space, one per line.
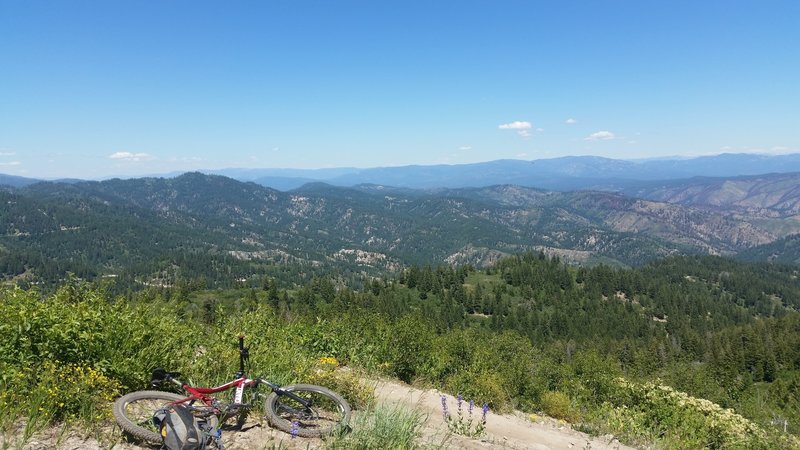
278, 390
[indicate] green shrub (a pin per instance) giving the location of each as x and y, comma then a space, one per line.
73, 391
410, 348
346, 382
652, 412
483, 387
558, 405
65, 356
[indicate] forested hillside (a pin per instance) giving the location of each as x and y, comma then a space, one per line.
785, 251
217, 231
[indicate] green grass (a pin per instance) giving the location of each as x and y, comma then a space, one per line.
385, 426
475, 278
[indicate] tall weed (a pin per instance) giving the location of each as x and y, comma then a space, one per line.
385, 426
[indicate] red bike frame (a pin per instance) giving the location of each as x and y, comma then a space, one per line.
205, 394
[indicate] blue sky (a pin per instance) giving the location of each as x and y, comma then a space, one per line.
93, 89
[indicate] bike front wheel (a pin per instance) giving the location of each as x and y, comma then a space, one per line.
326, 413
134, 413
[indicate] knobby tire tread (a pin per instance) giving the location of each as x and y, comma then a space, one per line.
286, 426
133, 429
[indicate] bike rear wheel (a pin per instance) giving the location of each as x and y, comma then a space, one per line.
134, 413
327, 413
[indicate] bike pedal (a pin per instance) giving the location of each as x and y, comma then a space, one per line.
236, 407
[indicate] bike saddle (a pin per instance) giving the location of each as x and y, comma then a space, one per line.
160, 375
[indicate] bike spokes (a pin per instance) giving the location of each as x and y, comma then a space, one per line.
321, 412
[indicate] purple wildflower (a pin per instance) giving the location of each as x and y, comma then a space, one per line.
471, 406
485, 410
444, 407
295, 429
459, 399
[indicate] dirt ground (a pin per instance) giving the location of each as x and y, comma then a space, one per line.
506, 431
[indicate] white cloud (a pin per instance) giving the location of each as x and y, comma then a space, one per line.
275, 149
522, 155
522, 127
8, 153
517, 125
570, 121
128, 156
600, 136
11, 163
465, 147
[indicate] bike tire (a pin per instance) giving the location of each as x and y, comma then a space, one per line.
329, 413
134, 413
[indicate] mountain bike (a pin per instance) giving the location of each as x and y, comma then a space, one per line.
303, 410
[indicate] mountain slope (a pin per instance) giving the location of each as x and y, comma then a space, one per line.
692, 227
220, 228
89, 238
15, 181
771, 195
785, 251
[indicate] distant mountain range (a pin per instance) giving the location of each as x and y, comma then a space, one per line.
15, 181
155, 229
560, 174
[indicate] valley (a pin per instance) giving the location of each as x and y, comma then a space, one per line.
252, 230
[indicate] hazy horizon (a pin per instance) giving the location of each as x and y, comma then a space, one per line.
348, 169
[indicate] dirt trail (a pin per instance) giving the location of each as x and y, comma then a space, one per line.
506, 431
